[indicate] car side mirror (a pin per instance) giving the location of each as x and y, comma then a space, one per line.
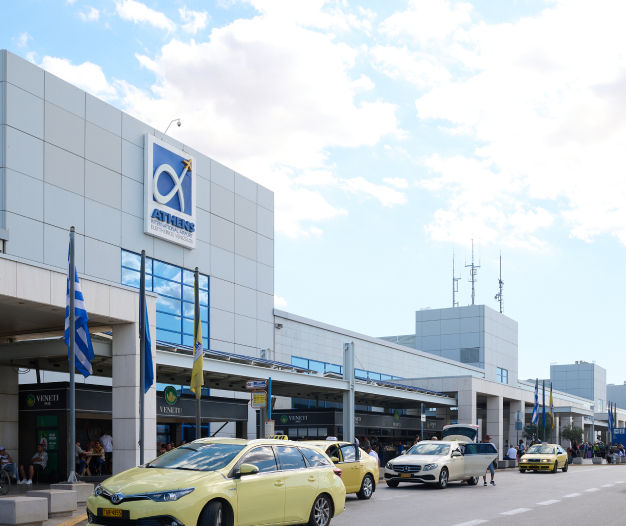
334, 460
248, 469
457, 454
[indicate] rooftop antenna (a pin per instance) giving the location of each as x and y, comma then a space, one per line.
498, 296
473, 272
455, 284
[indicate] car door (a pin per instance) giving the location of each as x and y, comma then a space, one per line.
456, 464
301, 483
261, 497
477, 458
561, 456
351, 467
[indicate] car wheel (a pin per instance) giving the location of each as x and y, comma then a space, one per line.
367, 488
443, 479
472, 481
555, 469
212, 514
522, 470
565, 467
392, 483
320, 514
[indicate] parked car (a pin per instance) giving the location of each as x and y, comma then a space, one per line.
441, 462
360, 471
224, 482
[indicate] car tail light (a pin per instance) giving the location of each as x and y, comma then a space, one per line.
337, 472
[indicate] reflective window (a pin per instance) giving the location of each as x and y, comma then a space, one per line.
429, 449
479, 449
502, 376
315, 458
175, 303
198, 457
290, 457
261, 457
349, 453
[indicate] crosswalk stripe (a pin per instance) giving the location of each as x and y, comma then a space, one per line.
548, 502
515, 512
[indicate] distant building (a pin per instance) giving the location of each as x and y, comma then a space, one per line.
584, 379
617, 394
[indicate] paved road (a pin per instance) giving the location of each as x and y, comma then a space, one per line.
584, 495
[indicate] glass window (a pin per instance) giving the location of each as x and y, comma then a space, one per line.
188, 326
300, 362
374, 376
131, 278
188, 277
262, 457
164, 270
349, 453
502, 376
198, 457
168, 336
360, 372
290, 457
541, 450
479, 449
315, 458
164, 287
335, 368
168, 322
168, 305
188, 294
317, 366
429, 449
204, 282
299, 403
131, 260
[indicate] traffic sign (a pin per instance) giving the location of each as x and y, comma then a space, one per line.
256, 384
269, 428
423, 417
258, 399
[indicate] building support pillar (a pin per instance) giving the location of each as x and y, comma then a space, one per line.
516, 405
9, 419
467, 407
495, 409
348, 396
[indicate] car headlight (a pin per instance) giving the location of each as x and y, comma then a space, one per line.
169, 496
545, 460
389, 466
428, 467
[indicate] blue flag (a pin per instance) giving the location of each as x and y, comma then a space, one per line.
544, 405
611, 423
149, 372
535, 417
83, 350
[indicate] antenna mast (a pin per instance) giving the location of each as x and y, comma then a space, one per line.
455, 284
473, 272
499, 297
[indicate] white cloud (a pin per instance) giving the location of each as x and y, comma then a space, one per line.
87, 76
196, 20
424, 20
316, 178
398, 182
269, 98
22, 39
387, 196
416, 68
137, 12
279, 302
90, 15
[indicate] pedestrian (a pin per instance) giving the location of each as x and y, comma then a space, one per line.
511, 453
37, 464
107, 443
490, 468
80, 459
6, 462
372, 453
417, 439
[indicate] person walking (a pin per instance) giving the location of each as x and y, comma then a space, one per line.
490, 468
107, 443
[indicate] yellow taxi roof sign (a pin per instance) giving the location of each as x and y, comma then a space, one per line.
279, 437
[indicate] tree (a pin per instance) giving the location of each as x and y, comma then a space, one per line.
534, 431
572, 433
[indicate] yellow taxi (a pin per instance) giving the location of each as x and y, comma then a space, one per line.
359, 470
224, 482
544, 457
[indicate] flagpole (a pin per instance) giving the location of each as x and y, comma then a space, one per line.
72, 364
196, 299
142, 355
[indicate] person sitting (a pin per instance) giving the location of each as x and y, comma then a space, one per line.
97, 457
37, 464
511, 454
6, 463
81, 463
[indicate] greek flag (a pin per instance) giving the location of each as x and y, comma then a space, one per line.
83, 350
535, 418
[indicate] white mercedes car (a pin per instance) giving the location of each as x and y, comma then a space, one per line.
441, 462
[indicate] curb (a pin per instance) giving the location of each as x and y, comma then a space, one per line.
73, 520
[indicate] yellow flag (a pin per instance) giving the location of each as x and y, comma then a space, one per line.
197, 374
552, 407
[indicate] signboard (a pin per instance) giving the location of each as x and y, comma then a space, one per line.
258, 400
170, 394
49, 438
42, 400
169, 192
256, 384
48, 421
423, 417
269, 428
619, 432
278, 437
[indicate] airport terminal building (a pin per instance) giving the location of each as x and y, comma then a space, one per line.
69, 159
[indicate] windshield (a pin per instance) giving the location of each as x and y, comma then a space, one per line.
198, 457
469, 432
429, 449
541, 450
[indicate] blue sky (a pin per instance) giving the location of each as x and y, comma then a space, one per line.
392, 133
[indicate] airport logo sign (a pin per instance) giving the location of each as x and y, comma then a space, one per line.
169, 192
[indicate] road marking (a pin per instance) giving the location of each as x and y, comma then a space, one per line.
74, 520
607, 485
472, 523
586, 470
548, 502
620, 482
566, 496
515, 512
593, 489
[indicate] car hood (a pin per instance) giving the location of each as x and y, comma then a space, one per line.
147, 480
418, 459
528, 456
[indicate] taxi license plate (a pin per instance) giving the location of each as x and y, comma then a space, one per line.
405, 475
108, 512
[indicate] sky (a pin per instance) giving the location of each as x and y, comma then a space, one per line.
392, 133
